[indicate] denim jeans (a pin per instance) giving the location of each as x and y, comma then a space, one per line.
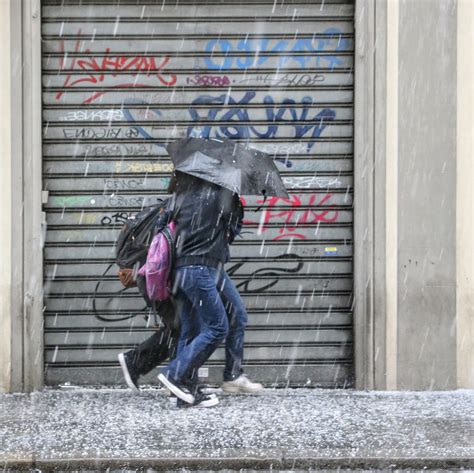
211, 310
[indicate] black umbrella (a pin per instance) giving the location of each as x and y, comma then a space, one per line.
226, 163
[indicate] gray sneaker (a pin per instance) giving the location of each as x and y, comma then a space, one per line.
241, 385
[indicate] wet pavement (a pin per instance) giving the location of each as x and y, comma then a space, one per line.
90, 429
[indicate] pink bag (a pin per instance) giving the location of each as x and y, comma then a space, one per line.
159, 262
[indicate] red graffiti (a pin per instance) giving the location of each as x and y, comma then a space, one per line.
294, 217
115, 64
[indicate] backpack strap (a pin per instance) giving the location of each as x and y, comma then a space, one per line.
171, 204
171, 244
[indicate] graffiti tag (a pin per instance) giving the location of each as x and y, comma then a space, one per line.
93, 115
119, 149
254, 53
115, 219
306, 182
289, 111
100, 133
104, 68
288, 80
272, 272
294, 217
137, 166
207, 80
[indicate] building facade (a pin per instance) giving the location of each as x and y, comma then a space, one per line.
363, 278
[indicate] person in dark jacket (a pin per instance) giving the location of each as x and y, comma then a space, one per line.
208, 218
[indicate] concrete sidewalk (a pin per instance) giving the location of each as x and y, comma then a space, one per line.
96, 429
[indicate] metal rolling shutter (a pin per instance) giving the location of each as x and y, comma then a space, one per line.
120, 78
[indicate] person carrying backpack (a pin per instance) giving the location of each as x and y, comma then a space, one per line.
207, 217
144, 254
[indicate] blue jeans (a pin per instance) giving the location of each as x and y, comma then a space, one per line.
211, 310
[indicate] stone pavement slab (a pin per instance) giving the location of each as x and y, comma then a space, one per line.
90, 429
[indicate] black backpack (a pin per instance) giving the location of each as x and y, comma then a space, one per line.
138, 232
131, 252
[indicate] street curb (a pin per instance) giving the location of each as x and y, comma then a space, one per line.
236, 463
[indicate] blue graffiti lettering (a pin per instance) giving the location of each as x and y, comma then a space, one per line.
258, 52
225, 46
289, 112
228, 117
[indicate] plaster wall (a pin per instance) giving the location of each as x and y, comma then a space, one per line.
5, 199
465, 196
426, 260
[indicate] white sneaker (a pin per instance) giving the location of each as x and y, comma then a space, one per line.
172, 397
241, 385
131, 377
179, 390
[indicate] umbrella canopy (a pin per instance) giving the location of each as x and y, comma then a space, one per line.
228, 164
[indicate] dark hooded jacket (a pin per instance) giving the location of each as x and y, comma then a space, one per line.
208, 218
